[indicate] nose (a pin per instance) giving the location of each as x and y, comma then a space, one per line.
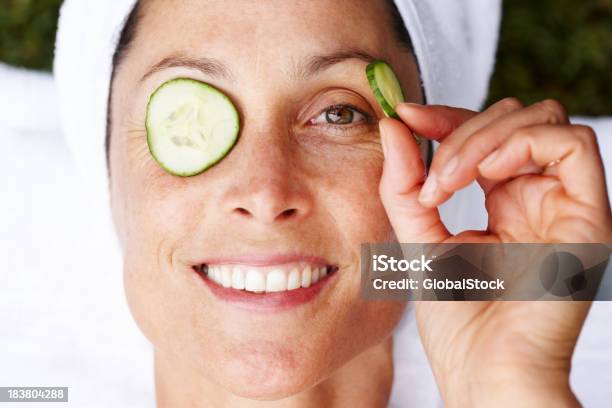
268, 204
267, 186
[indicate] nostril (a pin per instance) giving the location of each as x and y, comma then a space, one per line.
242, 211
267, 213
288, 213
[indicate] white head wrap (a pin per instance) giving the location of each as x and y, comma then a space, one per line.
454, 42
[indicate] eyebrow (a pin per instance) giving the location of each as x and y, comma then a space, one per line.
319, 63
207, 66
214, 68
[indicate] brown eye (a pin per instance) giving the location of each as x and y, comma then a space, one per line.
340, 115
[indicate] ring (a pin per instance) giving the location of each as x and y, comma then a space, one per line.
553, 163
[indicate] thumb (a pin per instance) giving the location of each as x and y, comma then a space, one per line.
401, 181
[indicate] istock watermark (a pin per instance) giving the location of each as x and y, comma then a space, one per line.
436, 284
486, 271
384, 263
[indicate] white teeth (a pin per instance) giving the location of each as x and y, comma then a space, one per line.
315, 275
294, 281
237, 278
212, 273
254, 281
226, 276
276, 281
266, 278
306, 277
218, 275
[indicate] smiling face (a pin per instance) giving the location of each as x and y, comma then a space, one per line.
295, 197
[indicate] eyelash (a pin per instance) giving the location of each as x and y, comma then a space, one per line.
341, 127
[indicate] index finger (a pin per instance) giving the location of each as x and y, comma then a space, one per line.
434, 122
438, 122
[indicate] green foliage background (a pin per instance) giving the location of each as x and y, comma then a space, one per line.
558, 49
549, 48
27, 32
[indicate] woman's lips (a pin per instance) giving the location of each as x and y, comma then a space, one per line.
262, 285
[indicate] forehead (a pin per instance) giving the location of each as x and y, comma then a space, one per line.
247, 32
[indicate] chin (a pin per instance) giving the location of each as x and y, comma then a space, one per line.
270, 376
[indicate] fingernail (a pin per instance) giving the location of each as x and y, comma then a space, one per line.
450, 167
429, 188
411, 105
489, 159
407, 105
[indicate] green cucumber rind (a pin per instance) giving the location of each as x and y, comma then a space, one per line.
385, 105
388, 110
209, 164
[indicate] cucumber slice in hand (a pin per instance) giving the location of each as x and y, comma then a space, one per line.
190, 126
386, 87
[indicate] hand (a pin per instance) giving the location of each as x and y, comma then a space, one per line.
544, 182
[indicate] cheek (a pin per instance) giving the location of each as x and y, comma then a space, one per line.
349, 191
152, 205
154, 222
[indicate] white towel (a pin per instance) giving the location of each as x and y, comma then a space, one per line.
454, 42
28, 102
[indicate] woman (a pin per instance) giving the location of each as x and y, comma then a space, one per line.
318, 171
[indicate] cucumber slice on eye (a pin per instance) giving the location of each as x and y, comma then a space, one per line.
386, 87
190, 126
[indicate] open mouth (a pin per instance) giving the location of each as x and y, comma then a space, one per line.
266, 279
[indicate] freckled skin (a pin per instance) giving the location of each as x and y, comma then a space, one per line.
213, 352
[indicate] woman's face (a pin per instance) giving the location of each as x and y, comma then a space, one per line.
299, 190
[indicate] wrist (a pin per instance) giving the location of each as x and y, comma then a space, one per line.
509, 388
